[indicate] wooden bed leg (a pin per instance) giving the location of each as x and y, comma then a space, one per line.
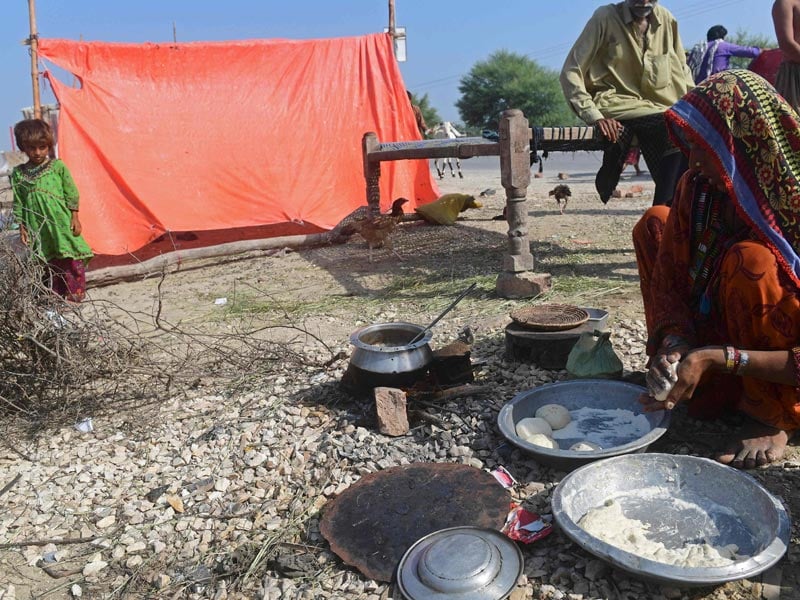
517, 279
372, 173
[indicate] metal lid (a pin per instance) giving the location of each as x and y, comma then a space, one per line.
460, 563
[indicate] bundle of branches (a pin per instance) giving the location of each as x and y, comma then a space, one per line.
79, 359
53, 355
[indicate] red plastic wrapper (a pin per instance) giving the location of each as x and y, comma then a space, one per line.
525, 526
503, 477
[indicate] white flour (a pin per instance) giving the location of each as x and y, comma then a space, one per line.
609, 524
605, 427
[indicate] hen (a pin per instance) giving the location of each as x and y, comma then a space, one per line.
561, 192
446, 209
377, 230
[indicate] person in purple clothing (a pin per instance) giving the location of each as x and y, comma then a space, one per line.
718, 53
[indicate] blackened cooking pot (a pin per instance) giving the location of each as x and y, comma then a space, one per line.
383, 355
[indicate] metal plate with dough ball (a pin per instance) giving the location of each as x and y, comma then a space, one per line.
683, 499
460, 563
603, 394
549, 317
372, 523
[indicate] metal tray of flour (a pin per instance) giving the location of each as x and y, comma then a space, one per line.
596, 395
683, 499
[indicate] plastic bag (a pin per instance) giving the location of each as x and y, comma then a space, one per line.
593, 356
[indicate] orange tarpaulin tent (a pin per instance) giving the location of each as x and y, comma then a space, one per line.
210, 136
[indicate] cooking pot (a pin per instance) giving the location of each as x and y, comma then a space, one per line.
383, 355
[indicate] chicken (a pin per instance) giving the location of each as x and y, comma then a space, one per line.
343, 232
377, 231
445, 209
561, 192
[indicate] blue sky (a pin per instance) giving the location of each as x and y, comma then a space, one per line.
445, 39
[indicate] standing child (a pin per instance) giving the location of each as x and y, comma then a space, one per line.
46, 208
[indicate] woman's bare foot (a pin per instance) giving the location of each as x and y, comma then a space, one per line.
755, 445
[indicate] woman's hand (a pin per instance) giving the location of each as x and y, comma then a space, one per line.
76, 224
662, 374
691, 369
661, 378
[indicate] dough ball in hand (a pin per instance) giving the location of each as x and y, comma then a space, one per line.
530, 425
555, 414
585, 446
545, 441
660, 387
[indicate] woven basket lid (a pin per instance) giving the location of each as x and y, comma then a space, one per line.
549, 317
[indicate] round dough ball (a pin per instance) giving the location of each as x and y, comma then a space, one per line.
530, 425
545, 441
585, 446
555, 414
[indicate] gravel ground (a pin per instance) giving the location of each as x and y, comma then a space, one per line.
218, 495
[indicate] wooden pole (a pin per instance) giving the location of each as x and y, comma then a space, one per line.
34, 42
174, 33
191, 258
392, 28
74, 77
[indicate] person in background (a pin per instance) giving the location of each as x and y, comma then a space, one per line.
786, 18
632, 159
46, 207
718, 53
720, 270
421, 125
627, 67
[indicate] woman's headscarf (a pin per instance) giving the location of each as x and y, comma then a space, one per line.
753, 135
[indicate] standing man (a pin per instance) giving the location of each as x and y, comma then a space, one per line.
786, 17
624, 71
718, 53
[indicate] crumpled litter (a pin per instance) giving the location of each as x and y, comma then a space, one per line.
525, 526
503, 477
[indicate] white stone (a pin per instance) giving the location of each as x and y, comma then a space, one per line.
254, 459
106, 522
93, 568
134, 561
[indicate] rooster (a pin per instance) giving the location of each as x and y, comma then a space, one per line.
376, 230
561, 192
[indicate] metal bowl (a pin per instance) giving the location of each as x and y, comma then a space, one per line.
683, 499
573, 395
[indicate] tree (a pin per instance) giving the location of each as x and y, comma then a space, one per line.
429, 113
509, 80
742, 38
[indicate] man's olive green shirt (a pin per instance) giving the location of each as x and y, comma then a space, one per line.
609, 74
